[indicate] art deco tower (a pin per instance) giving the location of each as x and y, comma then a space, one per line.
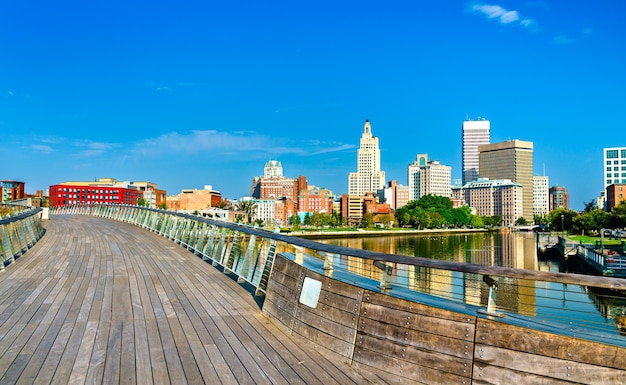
368, 177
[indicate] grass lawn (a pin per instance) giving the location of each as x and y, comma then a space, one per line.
592, 240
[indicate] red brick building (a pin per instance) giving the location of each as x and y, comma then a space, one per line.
71, 194
315, 201
615, 194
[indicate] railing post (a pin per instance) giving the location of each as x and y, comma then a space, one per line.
247, 261
217, 258
209, 244
234, 253
385, 276
491, 301
328, 262
261, 288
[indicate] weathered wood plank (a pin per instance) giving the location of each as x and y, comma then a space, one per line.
534, 364
404, 336
550, 345
408, 355
438, 326
390, 302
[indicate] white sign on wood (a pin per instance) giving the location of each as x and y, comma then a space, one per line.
310, 293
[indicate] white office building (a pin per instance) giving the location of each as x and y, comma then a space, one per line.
428, 178
368, 177
614, 166
474, 134
541, 195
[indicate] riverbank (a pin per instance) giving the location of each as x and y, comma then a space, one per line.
360, 233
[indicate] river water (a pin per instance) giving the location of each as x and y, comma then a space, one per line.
570, 304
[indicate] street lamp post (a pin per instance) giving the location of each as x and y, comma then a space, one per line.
563, 224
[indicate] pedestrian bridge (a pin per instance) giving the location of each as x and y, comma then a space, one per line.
119, 294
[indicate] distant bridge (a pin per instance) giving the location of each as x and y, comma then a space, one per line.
121, 294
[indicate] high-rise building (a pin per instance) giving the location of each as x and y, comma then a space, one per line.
428, 178
559, 198
368, 177
511, 159
541, 195
474, 134
614, 166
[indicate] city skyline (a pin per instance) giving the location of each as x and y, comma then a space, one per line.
185, 95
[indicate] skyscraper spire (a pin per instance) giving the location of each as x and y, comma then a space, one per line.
368, 177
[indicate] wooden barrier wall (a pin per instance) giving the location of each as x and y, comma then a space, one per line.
419, 344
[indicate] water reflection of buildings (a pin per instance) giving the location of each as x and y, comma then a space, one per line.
611, 305
507, 250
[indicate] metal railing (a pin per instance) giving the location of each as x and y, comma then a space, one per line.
571, 304
19, 231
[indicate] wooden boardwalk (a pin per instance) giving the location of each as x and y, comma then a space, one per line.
103, 302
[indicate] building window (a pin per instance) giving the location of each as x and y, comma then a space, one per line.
611, 154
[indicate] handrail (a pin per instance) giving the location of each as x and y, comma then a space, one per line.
18, 233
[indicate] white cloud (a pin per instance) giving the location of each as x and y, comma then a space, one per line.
41, 148
502, 15
93, 148
562, 39
241, 144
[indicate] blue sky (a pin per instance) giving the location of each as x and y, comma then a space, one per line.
192, 93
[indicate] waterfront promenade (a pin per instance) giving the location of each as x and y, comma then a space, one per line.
103, 302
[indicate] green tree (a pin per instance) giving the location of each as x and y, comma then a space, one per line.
521, 221
294, 220
590, 206
557, 223
618, 216
320, 219
589, 222
461, 216
248, 207
162, 206
385, 219
367, 220
142, 202
476, 221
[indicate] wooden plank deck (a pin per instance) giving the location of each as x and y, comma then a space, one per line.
103, 302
